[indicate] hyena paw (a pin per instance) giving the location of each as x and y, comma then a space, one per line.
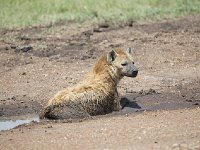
117, 107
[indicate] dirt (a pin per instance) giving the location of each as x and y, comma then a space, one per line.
161, 105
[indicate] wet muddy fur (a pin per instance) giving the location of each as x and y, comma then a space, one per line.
97, 95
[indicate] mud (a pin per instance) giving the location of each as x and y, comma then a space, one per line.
36, 62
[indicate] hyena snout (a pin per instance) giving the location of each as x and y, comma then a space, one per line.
130, 71
133, 71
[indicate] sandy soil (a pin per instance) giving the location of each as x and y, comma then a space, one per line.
178, 129
163, 101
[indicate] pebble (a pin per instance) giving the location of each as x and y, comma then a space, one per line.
25, 48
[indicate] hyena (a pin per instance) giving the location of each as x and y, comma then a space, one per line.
97, 94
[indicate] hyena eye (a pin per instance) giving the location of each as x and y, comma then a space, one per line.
133, 62
124, 64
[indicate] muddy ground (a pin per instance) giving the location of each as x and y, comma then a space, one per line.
162, 103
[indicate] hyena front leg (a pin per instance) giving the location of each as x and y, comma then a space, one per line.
117, 105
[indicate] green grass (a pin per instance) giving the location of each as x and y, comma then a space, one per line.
20, 13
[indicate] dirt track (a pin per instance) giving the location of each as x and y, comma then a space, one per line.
36, 62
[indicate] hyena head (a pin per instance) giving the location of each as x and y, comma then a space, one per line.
122, 62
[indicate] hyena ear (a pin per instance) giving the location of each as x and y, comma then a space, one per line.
129, 50
111, 56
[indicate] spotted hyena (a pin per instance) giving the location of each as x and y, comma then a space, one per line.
97, 94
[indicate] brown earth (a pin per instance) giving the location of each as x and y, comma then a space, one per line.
162, 103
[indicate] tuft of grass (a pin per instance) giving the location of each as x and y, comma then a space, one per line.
20, 13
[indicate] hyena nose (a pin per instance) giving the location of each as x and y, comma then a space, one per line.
134, 73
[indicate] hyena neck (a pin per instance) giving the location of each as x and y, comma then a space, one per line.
105, 72
114, 74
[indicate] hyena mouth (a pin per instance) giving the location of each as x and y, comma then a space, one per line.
132, 74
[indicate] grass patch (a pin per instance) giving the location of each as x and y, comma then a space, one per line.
20, 13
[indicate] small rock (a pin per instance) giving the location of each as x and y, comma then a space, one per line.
151, 91
25, 48
141, 92
24, 37
189, 100
13, 98
97, 30
24, 73
130, 23
49, 126
13, 47
183, 96
104, 25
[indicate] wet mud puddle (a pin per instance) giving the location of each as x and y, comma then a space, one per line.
12, 122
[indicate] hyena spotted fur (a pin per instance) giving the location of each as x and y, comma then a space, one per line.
97, 94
